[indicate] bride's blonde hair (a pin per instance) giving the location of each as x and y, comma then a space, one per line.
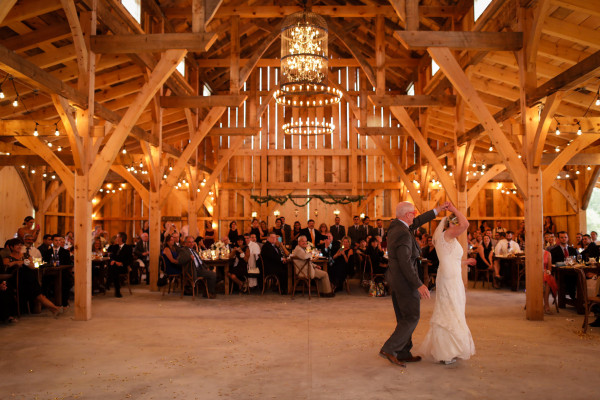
451, 219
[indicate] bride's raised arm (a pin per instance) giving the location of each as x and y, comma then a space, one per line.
455, 229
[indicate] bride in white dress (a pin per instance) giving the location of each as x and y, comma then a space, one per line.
449, 337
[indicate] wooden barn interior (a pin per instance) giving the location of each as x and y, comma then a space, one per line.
114, 117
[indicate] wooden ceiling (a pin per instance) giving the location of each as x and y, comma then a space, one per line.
38, 31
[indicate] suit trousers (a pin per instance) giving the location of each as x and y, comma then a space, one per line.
210, 276
113, 275
408, 311
322, 278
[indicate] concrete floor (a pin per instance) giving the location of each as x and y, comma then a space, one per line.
251, 347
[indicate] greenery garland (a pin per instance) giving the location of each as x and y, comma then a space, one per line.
327, 199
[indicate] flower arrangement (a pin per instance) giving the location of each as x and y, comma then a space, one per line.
217, 245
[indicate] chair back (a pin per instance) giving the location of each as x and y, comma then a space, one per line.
301, 268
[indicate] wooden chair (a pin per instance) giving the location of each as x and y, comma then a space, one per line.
486, 272
172, 279
125, 278
302, 275
271, 278
369, 267
188, 279
588, 301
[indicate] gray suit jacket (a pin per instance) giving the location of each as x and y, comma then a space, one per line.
186, 260
403, 252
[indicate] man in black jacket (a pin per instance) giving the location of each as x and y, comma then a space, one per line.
46, 247
559, 253
337, 231
121, 257
142, 252
312, 235
275, 261
590, 250
55, 256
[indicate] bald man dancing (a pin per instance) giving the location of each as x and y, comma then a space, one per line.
403, 279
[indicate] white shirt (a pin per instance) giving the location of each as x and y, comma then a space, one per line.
503, 247
33, 252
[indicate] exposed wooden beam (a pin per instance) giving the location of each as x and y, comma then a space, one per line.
258, 53
489, 41
5, 7
30, 9
489, 175
381, 131
104, 160
537, 147
569, 79
583, 6
444, 58
126, 44
333, 62
573, 32
587, 194
133, 181
413, 101
232, 100
70, 125
234, 131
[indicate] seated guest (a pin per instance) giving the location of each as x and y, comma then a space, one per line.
506, 245
338, 231
8, 307
312, 235
550, 242
330, 248
549, 281
97, 249
594, 236
226, 242
60, 256
200, 243
254, 249
121, 257
590, 250
238, 271
170, 254
233, 232
376, 255
485, 253
209, 234
578, 241
46, 247
97, 255
28, 247
300, 255
142, 252
190, 262
28, 283
275, 262
430, 254
342, 264
559, 254
27, 227
69, 242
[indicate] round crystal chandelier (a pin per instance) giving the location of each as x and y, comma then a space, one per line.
308, 127
304, 64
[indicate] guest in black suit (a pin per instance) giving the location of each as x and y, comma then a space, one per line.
561, 251
590, 250
312, 234
121, 257
380, 231
59, 256
275, 260
337, 231
367, 229
191, 264
142, 253
355, 231
46, 247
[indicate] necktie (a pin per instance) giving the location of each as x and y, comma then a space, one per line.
566, 252
146, 246
196, 259
312, 235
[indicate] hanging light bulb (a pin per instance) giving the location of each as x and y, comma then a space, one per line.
124, 151
56, 132
579, 129
16, 102
589, 168
1, 93
557, 129
49, 144
597, 96
35, 132
59, 148
491, 148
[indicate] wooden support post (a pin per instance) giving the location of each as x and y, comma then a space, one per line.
462, 206
83, 249
534, 236
154, 238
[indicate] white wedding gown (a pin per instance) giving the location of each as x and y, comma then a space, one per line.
449, 336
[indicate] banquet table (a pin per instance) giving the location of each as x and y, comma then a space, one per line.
561, 274
56, 271
222, 264
512, 264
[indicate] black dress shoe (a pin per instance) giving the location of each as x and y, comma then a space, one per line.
118, 294
410, 359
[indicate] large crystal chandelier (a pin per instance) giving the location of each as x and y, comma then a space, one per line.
304, 66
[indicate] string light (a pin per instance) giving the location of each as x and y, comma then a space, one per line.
589, 168
56, 132
579, 129
49, 144
557, 129
16, 102
59, 148
124, 151
35, 132
491, 148
597, 96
